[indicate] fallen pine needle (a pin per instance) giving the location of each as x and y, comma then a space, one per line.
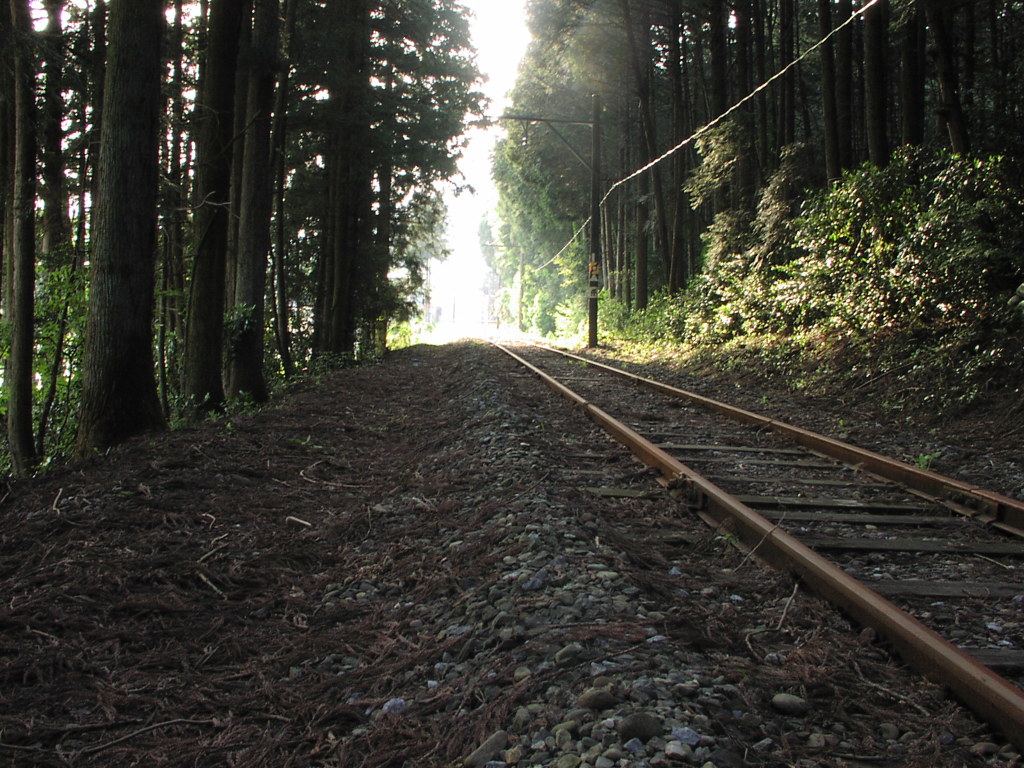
206, 580
140, 731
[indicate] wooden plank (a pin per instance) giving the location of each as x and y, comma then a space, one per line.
801, 481
948, 589
852, 518
917, 545
810, 463
697, 447
1001, 659
827, 503
622, 493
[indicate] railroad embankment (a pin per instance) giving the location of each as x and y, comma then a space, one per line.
428, 562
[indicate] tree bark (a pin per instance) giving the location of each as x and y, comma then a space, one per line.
172, 273
912, 80
350, 166
844, 84
875, 102
746, 166
787, 87
6, 155
282, 326
245, 364
640, 59
20, 307
950, 110
205, 317
56, 222
119, 395
679, 274
833, 168
239, 132
642, 241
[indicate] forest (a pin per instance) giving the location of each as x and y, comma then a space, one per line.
201, 199
776, 177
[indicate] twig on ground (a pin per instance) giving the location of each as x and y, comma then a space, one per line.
206, 580
140, 731
792, 597
891, 693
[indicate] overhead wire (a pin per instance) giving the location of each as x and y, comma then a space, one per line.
750, 96
573, 239
717, 120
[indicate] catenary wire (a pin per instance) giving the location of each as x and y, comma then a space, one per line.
763, 86
714, 122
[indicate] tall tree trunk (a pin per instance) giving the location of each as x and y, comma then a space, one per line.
97, 86
641, 61
6, 155
642, 241
20, 307
761, 45
256, 201
240, 113
677, 193
833, 169
56, 222
950, 111
282, 329
718, 23
875, 102
205, 318
844, 84
746, 164
172, 279
912, 51
119, 395
787, 87
351, 179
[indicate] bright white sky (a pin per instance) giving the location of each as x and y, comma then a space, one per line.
500, 35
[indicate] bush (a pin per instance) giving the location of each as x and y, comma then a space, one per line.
929, 241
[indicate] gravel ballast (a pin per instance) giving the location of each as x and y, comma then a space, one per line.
413, 565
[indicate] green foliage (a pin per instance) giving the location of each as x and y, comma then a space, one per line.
664, 319
544, 189
720, 149
928, 241
61, 313
906, 270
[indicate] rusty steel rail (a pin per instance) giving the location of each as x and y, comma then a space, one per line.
989, 695
996, 510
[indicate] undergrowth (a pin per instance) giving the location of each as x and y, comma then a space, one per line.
892, 284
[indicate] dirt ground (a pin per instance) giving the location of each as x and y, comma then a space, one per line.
195, 599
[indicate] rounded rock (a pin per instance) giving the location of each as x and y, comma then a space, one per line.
597, 698
640, 725
889, 731
985, 749
569, 653
788, 704
490, 748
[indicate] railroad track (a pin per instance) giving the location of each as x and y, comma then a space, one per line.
934, 565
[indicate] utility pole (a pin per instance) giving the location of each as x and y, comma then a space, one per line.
595, 225
594, 271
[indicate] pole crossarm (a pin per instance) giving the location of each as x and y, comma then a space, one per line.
540, 119
551, 122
